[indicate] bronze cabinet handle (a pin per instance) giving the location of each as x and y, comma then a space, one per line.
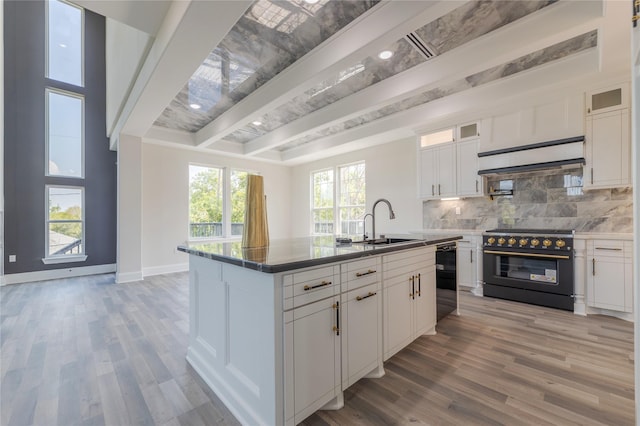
593, 266
311, 287
359, 298
471, 255
362, 274
419, 285
433, 190
413, 287
336, 327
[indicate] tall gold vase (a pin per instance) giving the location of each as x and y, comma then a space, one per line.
256, 230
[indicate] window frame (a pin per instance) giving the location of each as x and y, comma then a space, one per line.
47, 172
64, 258
337, 206
82, 44
226, 203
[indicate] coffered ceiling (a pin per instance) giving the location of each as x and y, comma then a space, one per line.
291, 81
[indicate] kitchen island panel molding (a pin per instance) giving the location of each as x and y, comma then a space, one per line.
234, 343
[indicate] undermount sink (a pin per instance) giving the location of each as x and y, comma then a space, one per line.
379, 241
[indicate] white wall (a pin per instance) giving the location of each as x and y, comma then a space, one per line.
391, 174
165, 202
126, 47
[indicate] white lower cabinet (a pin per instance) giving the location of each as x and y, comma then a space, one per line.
336, 331
610, 275
362, 337
409, 304
467, 262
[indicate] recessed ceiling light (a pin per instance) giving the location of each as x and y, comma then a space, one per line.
62, 45
311, 1
385, 54
195, 106
257, 123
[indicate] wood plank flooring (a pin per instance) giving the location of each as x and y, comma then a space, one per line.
85, 351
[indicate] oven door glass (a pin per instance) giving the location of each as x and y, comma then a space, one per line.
531, 269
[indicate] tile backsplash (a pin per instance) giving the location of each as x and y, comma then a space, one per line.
542, 199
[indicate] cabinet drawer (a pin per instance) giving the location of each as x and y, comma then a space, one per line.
371, 291
361, 272
404, 263
309, 286
608, 248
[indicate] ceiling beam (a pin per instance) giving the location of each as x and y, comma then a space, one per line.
189, 32
379, 27
146, 16
561, 22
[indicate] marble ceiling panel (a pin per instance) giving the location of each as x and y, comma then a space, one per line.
270, 36
540, 57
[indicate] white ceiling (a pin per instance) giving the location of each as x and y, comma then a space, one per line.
189, 30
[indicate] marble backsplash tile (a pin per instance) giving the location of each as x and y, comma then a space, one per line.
542, 199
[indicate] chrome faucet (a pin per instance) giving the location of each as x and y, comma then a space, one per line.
364, 225
392, 215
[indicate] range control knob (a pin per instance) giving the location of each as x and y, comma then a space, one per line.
523, 241
501, 240
491, 240
535, 242
560, 243
511, 241
546, 243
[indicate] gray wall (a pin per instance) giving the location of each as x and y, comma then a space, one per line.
24, 159
545, 199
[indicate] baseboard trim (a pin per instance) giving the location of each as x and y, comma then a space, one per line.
128, 277
165, 269
53, 274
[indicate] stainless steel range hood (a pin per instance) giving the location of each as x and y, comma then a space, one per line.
537, 156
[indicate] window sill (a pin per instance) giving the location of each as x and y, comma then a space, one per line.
64, 259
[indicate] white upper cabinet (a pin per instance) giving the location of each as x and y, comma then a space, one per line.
608, 138
555, 120
608, 99
469, 183
449, 162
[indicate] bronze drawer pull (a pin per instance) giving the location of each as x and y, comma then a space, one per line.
322, 284
359, 298
361, 274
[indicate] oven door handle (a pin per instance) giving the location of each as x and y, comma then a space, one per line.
544, 256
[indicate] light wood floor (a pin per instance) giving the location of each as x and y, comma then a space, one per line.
87, 351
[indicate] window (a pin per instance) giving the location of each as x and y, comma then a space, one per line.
64, 144
216, 201
323, 196
65, 221
346, 215
65, 132
65, 42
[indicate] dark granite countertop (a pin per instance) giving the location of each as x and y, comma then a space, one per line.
295, 253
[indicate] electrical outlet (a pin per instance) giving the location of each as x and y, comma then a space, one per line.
457, 210
12, 258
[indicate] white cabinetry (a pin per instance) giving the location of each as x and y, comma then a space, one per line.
409, 297
558, 119
610, 275
438, 171
469, 183
312, 341
608, 145
361, 311
466, 261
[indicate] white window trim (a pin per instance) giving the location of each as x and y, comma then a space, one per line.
49, 90
46, 37
226, 204
61, 258
336, 196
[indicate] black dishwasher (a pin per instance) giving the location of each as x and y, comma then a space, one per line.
446, 285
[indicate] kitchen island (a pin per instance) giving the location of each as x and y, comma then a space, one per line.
279, 332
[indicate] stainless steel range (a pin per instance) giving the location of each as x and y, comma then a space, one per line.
529, 265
